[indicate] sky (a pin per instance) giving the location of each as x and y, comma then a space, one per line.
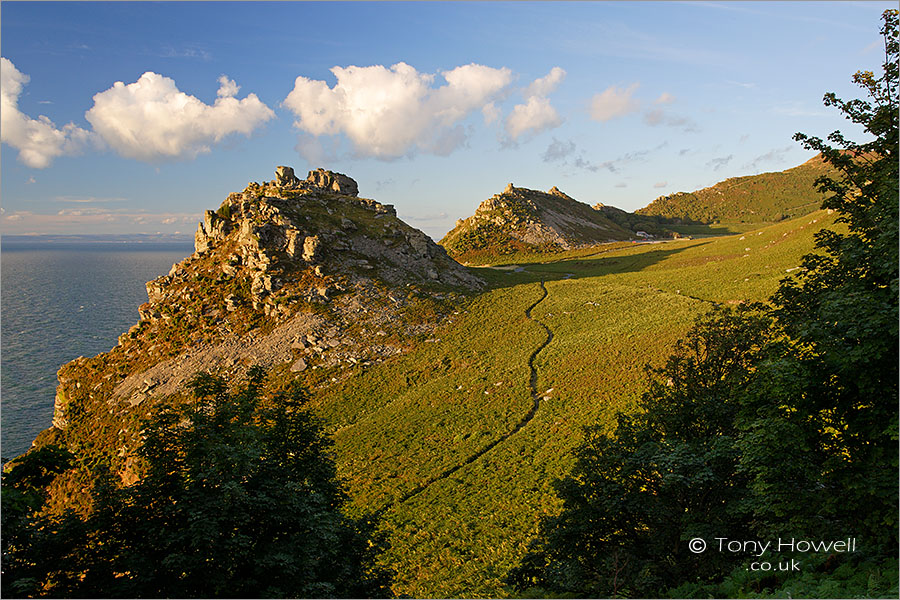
131, 117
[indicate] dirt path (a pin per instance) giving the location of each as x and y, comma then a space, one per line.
536, 398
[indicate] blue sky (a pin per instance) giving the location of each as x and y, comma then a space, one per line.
136, 117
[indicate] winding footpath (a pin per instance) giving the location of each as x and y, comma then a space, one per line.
535, 400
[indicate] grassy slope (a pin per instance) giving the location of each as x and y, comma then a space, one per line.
401, 425
763, 198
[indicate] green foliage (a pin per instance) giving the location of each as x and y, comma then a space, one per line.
791, 431
763, 198
667, 474
655, 225
24, 495
834, 384
816, 579
224, 211
239, 499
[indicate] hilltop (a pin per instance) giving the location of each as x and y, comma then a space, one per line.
299, 273
763, 198
454, 396
524, 220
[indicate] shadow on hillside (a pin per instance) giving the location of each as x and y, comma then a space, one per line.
604, 263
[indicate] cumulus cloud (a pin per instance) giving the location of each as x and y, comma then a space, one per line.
547, 84
614, 102
227, 87
388, 112
531, 118
491, 113
38, 141
151, 119
537, 114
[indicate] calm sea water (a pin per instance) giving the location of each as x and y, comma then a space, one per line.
60, 301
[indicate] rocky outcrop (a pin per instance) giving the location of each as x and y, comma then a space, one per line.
526, 220
336, 182
319, 179
304, 275
286, 225
284, 177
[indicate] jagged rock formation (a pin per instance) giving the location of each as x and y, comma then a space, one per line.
318, 179
520, 219
300, 274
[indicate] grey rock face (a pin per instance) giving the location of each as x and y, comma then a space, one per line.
211, 229
336, 182
284, 177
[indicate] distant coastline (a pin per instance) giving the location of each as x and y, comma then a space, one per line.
119, 239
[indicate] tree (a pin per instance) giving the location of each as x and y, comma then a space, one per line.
239, 499
831, 390
669, 473
28, 540
760, 425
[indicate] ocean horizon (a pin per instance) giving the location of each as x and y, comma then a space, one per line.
65, 296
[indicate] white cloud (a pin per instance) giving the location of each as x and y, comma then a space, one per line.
614, 102
491, 113
38, 141
227, 87
660, 184
531, 118
536, 115
387, 113
151, 119
545, 85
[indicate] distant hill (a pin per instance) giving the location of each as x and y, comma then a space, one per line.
654, 225
523, 220
454, 396
763, 198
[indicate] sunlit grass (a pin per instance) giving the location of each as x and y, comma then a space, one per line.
611, 310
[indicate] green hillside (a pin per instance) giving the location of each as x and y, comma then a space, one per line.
763, 198
453, 433
411, 435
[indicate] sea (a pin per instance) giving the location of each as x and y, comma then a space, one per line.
61, 298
